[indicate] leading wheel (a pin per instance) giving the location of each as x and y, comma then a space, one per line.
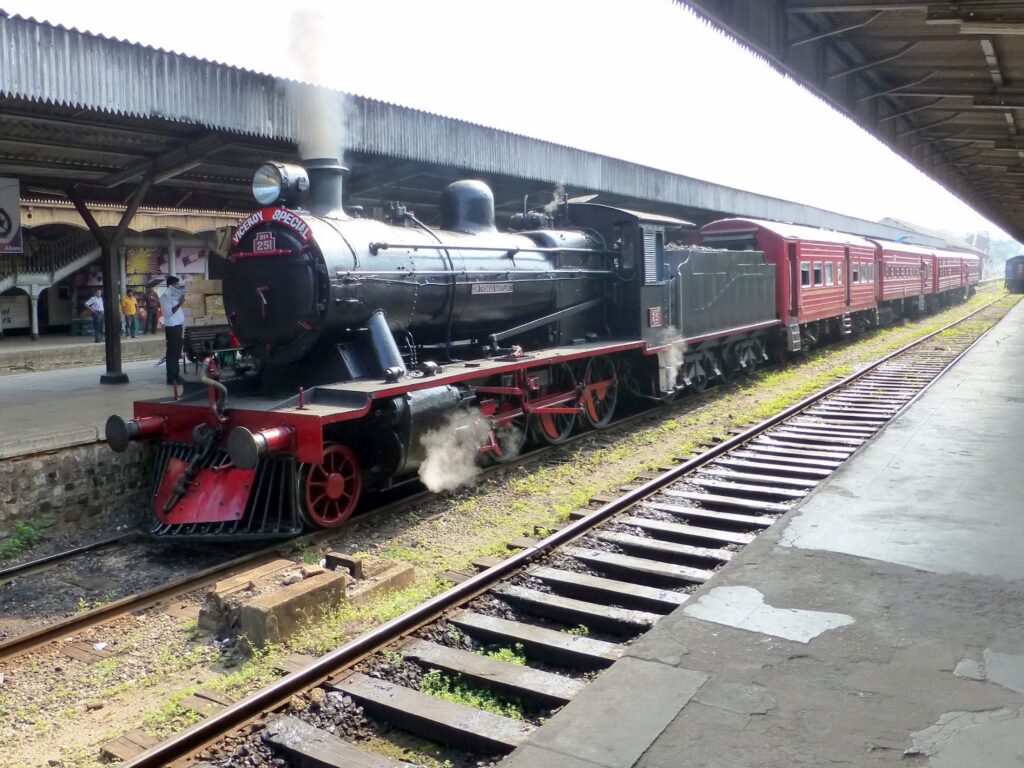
329, 491
600, 392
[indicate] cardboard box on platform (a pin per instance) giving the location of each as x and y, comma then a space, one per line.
214, 305
204, 287
194, 305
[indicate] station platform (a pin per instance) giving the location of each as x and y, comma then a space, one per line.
50, 410
21, 354
880, 623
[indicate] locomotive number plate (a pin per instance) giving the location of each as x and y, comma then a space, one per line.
487, 288
654, 317
264, 242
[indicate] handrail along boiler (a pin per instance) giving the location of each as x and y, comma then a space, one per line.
380, 343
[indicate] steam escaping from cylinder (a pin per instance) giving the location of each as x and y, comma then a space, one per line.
671, 357
320, 112
452, 451
557, 196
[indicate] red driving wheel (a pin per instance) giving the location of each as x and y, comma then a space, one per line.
330, 490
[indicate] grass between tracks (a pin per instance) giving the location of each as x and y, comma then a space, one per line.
479, 520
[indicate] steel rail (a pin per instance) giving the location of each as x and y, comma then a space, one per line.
279, 692
32, 565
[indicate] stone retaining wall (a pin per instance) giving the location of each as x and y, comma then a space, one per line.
86, 486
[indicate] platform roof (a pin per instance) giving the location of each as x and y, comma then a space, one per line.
101, 113
942, 83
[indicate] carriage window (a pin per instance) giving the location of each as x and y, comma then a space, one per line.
871, 272
839, 273
854, 271
805, 273
817, 273
829, 280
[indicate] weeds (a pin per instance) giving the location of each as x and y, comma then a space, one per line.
395, 658
512, 655
27, 533
456, 690
336, 626
172, 716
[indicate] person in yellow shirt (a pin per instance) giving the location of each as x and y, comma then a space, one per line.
130, 309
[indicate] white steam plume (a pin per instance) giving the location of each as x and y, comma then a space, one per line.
671, 357
452, 450
321, 112
556, 200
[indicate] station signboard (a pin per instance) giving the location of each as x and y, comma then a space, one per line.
10, 216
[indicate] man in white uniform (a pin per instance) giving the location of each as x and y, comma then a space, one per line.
174, 327
95, 307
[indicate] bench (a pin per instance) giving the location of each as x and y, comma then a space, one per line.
202, 340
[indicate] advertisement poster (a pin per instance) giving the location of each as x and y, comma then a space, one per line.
10, 216
144, 265
190, 261
140, 262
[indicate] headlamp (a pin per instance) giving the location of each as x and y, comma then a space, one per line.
279, 183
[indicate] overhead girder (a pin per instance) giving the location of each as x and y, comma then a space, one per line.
878, 63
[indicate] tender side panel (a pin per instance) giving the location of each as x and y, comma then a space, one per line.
719, 291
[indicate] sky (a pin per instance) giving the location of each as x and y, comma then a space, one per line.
644, 80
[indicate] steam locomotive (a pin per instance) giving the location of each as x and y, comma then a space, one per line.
387, 351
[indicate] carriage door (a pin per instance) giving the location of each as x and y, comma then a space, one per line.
796, 286
845, 267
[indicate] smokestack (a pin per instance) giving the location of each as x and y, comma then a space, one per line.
326, 180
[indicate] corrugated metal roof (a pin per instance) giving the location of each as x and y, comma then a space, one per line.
789, 231
43, 63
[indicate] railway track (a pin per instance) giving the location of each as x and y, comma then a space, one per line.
32, 566
531, 630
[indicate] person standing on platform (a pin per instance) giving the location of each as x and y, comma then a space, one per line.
152, 310
95, 307
174, 327
130, 309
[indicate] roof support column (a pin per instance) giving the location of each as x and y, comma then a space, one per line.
109, 246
